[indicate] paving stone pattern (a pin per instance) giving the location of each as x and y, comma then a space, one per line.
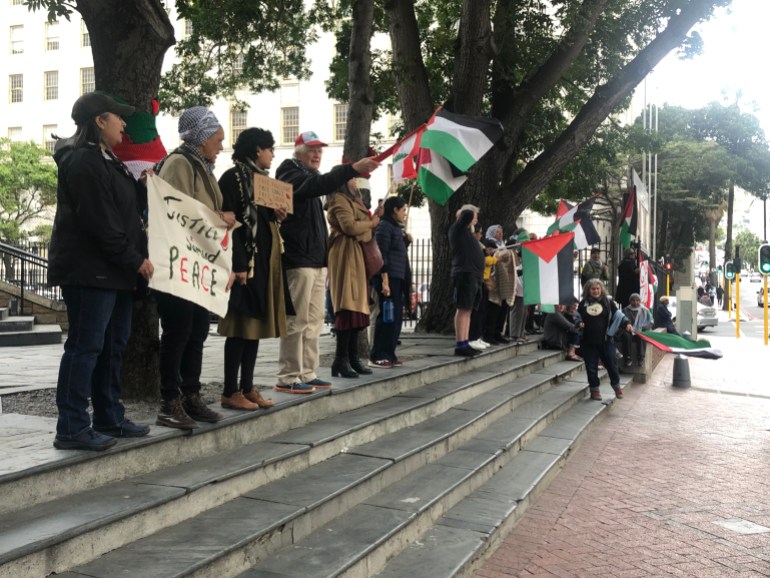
672, 482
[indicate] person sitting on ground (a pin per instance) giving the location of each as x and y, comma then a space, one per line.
641, 320
559, 333
467, 273
350, 225
259, 299
663, 318
572, 315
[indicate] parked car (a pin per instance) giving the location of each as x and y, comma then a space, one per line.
706, 314
755, 277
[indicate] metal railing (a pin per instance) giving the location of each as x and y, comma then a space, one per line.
26, 267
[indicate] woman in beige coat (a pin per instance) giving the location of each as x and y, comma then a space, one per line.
350, 223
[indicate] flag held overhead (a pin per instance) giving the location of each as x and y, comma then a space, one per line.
547, 269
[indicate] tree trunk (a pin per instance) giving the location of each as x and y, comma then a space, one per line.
128, 42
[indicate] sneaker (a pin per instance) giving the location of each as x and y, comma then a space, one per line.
640, 362
466, 352
596, 395
127, 429
197, 409
397, 363
627, 363
88, 440
478, 345
172, 414
484, 342
238, 401
319, 383
618, 391
382, 363
295, 388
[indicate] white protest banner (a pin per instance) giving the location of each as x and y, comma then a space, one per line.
190, 247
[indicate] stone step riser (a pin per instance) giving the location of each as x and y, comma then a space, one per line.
69, 554
178, 448
16, 324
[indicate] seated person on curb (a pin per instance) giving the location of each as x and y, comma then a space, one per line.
641, 320
663, 318
561, 333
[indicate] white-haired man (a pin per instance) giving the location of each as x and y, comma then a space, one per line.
305, 239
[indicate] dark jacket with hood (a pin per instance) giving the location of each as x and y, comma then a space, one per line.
97, 238
304, 232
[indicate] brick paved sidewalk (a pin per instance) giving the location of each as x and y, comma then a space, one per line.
671, 482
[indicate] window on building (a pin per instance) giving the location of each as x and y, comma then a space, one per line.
15, 134
16, 88
85, 36
340, 121
17, 39
17, 2
188, 27
289, 124
51, 85
238, 123
52, 36
87, 80
48, 141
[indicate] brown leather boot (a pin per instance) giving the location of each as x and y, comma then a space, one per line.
255, 397
238, 401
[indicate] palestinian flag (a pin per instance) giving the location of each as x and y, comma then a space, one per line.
405, 153
547, 269
677, 344
630, 216
576, 219
450, 145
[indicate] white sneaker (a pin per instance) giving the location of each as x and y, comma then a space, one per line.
484, 343
477, 345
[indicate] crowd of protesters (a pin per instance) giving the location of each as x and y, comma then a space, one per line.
279, 281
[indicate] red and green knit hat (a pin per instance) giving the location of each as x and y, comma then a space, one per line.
141, 147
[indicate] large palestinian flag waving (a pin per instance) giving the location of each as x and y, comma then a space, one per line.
450, 145
677, 344
547, 268
577, 219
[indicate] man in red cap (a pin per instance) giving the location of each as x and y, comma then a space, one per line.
305, 239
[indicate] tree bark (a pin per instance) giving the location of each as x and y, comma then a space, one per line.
361, 102
729, 238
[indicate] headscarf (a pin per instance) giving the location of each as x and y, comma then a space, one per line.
491, 234
197, 124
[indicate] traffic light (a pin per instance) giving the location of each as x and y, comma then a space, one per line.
764, 259
667, 265
729, 270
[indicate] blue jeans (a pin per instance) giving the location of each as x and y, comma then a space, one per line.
99, 327
592, 353
386, 334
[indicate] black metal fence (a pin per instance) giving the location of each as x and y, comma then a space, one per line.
25, 265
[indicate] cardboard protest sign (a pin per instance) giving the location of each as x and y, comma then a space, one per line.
190, 247
273, 193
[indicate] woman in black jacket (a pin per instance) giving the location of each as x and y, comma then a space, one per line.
98, 250
389, 282
596, 313
259, 298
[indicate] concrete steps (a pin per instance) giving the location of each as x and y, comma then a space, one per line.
21, 330
264, 493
